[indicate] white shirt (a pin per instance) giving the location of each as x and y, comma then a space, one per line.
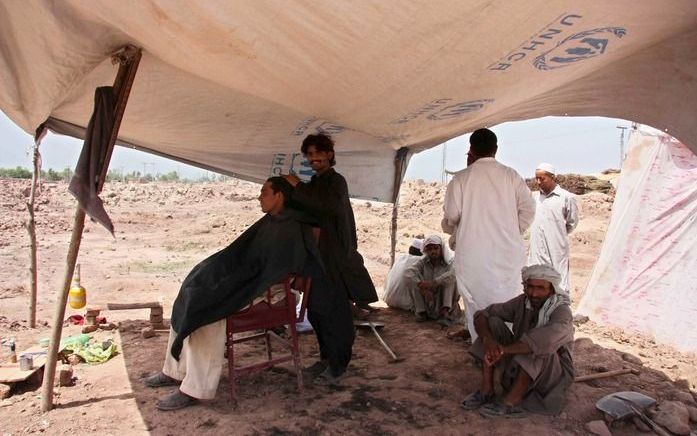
490, 207
555, 218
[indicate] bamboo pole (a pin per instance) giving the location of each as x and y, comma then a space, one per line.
128, 58
31, 226
399, 168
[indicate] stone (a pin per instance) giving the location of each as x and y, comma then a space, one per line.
631, 359
684, 397
147, 332
89, 328
110, 326
64, 375
674, 416
598, 428
5, 391
693, 413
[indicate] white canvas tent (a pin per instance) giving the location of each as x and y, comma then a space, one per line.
233, 86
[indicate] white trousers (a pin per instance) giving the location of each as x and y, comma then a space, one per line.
201, 361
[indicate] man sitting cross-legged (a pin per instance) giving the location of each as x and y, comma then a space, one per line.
535, 358
280, 243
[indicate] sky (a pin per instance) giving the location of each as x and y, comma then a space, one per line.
582, 145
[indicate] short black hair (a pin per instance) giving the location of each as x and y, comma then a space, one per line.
279, 184
483, 142
322, 142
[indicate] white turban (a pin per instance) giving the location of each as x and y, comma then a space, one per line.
546, 167
543, 272
560, 296
433, 240
445, 250
418, 243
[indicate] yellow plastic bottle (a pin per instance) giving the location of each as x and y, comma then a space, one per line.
77, 296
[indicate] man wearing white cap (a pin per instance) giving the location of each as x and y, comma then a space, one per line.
555, 218
432, 284
397, 285
488, 206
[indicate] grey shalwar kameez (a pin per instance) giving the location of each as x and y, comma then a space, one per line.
549, 365
446, 294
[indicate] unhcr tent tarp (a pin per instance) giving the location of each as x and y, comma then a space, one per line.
644, 279
234, 85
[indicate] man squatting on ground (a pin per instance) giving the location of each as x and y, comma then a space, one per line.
397, 290
279, 243
432, 284
326, 198
535, 359
556, 216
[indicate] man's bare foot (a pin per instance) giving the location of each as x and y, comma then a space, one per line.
461, 333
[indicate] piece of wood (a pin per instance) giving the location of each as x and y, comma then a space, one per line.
10, 372
605, 374
127, 306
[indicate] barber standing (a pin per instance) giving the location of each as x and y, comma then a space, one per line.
326, 197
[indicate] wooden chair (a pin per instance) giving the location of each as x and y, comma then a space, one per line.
263, 317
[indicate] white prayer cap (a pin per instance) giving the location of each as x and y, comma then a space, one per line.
433, 240
544, 272
417, 243
546, 167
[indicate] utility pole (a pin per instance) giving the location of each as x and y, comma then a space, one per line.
622, 128
444, 175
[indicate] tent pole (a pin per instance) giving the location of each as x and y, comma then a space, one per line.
128, 58
31, 224
400, 160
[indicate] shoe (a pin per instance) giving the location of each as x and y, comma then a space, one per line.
421, 317
496, 410
159, 380
476, 399
316, 368
327, 379
175, 401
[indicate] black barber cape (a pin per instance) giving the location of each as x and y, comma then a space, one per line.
230, 279
326, 197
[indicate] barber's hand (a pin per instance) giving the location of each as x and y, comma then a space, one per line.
292, 179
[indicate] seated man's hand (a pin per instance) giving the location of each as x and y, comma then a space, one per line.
427, 285
493, 352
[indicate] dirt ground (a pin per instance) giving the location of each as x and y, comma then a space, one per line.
164, 229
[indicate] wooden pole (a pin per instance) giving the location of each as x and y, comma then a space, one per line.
31, 227
128, 58
399, 161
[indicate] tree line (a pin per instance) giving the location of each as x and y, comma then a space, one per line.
114, 175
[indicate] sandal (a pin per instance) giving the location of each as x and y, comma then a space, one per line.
159, 380
495, 410
327, 379
175, 401
475, 400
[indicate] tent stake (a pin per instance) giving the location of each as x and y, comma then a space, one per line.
128, 58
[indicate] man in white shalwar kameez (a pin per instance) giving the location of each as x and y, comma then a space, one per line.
487, 208
555, 218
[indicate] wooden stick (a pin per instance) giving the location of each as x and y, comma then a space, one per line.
122, 87
605, 374
126, 306
31, 227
